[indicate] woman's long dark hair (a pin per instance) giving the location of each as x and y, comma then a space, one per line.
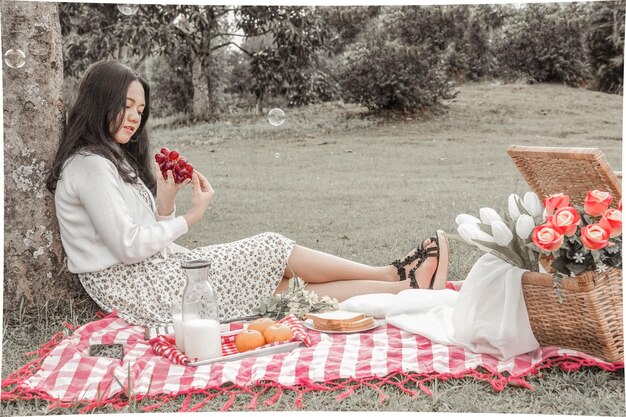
95, 114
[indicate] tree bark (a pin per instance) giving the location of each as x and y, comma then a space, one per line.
201, 92
33, 126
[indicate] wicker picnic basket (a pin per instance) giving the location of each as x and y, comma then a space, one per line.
585, 312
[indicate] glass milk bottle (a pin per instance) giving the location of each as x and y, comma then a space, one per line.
201, 326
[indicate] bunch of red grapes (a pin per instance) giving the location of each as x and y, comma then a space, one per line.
172, 161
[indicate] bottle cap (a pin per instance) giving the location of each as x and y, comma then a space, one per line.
195, 264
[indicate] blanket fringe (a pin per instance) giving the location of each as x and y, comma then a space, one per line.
345, 388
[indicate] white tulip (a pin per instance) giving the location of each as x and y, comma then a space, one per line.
501, 233
485, 237
513, 208
466, 231
524, 226
532, 204
489, 215
466, 218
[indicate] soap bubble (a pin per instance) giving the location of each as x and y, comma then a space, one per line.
128, 9
276, 117
15, 58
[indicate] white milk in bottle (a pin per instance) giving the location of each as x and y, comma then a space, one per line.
202, 339
200, 319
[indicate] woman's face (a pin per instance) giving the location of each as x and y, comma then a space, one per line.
131, 117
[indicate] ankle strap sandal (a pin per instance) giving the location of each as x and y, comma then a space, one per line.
429, 253
420, 253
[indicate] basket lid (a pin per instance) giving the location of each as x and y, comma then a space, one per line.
572, 171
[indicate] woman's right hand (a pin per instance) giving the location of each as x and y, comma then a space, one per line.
202, 196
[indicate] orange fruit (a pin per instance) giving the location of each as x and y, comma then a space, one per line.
277, 333
261, 324
249, 339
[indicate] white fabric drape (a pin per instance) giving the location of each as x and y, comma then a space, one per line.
487, 315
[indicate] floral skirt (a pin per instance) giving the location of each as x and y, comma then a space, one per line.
242, 273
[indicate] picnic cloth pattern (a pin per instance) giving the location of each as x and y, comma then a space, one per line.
165, 345
64, 374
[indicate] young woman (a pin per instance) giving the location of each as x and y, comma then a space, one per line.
118, 221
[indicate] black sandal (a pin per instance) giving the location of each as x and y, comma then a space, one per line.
428, 253
442, 252
420, 253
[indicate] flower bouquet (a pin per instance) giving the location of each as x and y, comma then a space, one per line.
577, 239
507, 236
297, 300
572, 239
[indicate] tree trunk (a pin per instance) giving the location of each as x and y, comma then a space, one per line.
201, 92
33, 125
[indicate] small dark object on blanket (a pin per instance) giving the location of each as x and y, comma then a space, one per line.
114, 350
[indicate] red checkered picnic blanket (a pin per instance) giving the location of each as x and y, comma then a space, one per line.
165, 345
67, 374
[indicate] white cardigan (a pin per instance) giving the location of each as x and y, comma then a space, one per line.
104, 221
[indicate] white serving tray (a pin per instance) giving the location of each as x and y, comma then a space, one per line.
270, 350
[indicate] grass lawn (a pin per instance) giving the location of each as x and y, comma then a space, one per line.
338, 180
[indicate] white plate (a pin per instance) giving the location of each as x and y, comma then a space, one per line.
309, 325
287, 347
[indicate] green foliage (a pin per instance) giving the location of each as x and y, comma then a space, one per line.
460, 34
171, 83
482, 22
92, 32
290, 66
605, 46
345, 23
85, 39
543, 42
385, 74
218, 71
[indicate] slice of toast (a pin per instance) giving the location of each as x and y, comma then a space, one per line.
364, 323
334, 317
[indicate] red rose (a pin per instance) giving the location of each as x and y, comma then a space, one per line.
547, 238
594, 237
565, 220
555, 202
612, 220
597, 202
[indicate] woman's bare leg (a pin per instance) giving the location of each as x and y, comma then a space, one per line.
324, 274
314, 266
342, 290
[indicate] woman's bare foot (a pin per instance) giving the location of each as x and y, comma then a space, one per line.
397, 272
432, 271
424, 273
438, 276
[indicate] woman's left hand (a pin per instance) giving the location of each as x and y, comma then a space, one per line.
166, 191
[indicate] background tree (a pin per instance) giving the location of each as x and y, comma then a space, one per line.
33, 125
393, 66
544, 43
171, 81
100, 31
604, 41
202, 30
290, 66
345, 24
207, 60
92, 32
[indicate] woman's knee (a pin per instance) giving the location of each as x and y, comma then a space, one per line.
272, 236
